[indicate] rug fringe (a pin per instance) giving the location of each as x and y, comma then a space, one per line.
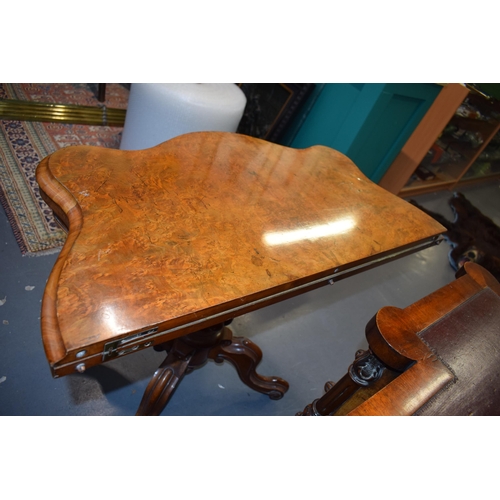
43, 253
13, 223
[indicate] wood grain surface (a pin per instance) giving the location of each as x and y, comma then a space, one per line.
202, 228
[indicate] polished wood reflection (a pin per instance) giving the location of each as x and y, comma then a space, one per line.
202, 228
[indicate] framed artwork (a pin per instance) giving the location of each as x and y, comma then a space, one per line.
271, 107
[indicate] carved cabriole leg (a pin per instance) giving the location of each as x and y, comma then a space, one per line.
365, 371
184, 354
162, 385
245, 356
192, 351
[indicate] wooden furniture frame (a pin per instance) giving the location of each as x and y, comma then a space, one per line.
167, 245
443, 341
395, 180
423, 137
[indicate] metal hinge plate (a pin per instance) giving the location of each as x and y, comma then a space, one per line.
123, 346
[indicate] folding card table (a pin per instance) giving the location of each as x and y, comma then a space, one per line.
167, 245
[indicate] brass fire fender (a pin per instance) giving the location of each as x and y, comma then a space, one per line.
65, 113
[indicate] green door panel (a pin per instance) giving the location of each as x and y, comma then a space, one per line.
384, 134
369, 122
326, 119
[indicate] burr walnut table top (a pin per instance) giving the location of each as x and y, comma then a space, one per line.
202, 228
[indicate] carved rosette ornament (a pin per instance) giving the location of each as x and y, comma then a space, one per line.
366, 369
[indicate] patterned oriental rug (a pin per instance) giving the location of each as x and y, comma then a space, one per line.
23, 144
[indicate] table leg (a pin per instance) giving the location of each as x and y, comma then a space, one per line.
101, 96
162, 385
245, 356
193, 351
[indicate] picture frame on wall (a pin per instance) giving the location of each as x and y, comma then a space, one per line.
271, 108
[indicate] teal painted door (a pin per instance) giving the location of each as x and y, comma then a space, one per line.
369, 122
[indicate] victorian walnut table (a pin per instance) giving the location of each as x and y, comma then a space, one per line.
166, 245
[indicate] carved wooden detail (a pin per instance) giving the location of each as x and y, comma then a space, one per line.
245, 356
193, 351
416, 352
364, 371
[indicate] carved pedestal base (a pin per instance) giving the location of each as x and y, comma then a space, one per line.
192, 351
